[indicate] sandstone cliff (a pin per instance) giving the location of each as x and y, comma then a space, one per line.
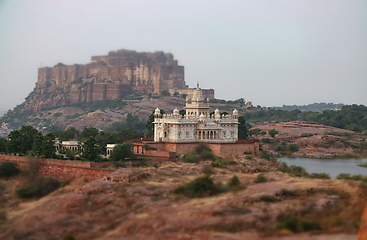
105, 77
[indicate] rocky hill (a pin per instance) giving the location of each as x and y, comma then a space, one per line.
105, 77
102, 112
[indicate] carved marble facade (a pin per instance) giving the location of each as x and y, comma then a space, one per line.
197, 125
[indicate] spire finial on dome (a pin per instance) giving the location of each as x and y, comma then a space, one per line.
197, 85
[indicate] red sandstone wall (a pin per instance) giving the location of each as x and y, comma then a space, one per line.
227, 149
154, 154
219, 149
61, 168
66, 172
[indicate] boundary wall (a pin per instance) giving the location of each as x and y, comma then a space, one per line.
154, 154
61, 169
219, 149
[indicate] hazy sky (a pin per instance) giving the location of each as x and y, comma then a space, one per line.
270, 52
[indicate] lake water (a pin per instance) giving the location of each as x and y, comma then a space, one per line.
331, 166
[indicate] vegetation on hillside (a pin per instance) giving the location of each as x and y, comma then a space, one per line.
29, 141
350, 117
314, 107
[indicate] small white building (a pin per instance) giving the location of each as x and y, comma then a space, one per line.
197, 125
109, 149
72, 145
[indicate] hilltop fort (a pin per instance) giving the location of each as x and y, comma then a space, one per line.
109, 77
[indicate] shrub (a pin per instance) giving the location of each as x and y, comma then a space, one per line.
296, 225
58, 114
219, 162
266, 140
266, 155
198, 188
190, 158
260, 178
206, 155
69, 237
287, 193
319, 175
39, 187
293, 170
273, 132
268, 198
155, 165
347, 176
307, 134
339, 134
207, 169
26, 192
8, 169
204, 151
43, 186
234, 181
293, 147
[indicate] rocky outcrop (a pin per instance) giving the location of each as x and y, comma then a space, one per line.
105, 77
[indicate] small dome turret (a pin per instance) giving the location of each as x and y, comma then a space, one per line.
157, 112
235, 113
217, 114
202, 117
176, 112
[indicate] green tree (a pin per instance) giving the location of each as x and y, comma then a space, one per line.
90, 149
184, 96
68, 134
21, 141
103, 138
28, 133
273, 132
176, 94
242, 128
37, 147
127, 134
255, 132
43, 146
15, 140
240, 101
122, 151
3, 144
182, 112
88, 132
49, 148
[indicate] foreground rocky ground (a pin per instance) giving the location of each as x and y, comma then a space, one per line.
139, 203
